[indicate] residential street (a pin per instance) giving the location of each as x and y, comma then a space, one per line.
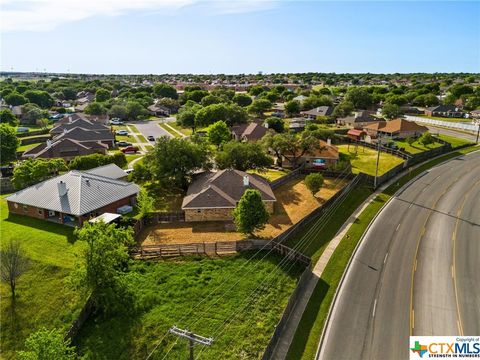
148, 128
449, 132
416, 271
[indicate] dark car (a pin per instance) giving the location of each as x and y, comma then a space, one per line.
123, 143
151, 138
130, 149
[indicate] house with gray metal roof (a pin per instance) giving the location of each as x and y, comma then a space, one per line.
112, 171
212, 196
73, 198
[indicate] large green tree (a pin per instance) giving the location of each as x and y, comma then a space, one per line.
102, 95
32, 171
314, 182
39, 97
231, 114
218, 133
32, 114
15, 99
391, 111
95, 108
243, 156
259, 106
9, 144
7, 116
165, 90
104, 262
292, 107
242, 100
359, 97
174, 161
251, 214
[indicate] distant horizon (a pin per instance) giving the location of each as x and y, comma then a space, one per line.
107, 37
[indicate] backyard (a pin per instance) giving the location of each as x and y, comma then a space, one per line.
43, 297
416, 147
364, 159
294, 202
216, 289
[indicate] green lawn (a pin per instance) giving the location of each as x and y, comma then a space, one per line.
183, 130
43, 298
270, 174
416, 147
138, 133
454, 141
131, 157
23, 148
364, 159
170, 131
167, 291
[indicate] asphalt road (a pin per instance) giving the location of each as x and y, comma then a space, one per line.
458, 134
148, 128
416, 270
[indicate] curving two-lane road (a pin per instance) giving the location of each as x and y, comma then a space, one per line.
416, 271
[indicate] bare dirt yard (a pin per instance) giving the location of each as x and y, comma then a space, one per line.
294, 202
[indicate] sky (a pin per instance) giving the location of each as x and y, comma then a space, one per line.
239, 36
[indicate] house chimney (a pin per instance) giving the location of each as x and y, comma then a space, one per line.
246, 181
62, 188
329, 142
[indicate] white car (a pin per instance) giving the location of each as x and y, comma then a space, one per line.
121, 132
116, 122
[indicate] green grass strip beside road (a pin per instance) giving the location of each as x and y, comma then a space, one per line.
169, 130
305, 342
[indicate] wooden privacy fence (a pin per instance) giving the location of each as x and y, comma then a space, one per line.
216, 248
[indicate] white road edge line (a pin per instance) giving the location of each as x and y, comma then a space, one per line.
374, 307
386, 256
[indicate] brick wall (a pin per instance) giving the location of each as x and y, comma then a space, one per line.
220, 214
27, 210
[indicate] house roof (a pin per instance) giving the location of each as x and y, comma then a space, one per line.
223, 189
319, 111
81, 134
360, 116
355, 132
396, 126
252, 131
85, 193
444, 108
64, 146
112, 171
83, 123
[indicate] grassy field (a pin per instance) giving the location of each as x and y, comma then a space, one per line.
416, 147
454, 141
166, 293
43, 299
364, 160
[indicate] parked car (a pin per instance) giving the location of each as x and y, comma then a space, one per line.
123, 143
128, 171
22, 129
116, 121
129, 149
151, 138
121, 132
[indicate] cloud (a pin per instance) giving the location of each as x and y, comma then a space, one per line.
44, 15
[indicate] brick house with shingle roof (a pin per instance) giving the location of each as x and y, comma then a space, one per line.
398, 128
212, 196
248, 132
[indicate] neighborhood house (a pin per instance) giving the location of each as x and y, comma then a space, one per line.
73, 198
398, 128
321, 157
248, 132
212, 196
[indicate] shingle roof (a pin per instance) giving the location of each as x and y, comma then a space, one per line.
319, 111
223, 189
64, 145
82, 123
81, 134
397, 125
252, 131
86, 193
112, 171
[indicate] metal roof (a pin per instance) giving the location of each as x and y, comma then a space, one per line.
85, 193
112, 171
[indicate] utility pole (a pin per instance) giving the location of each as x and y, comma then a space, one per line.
379, 142
191, 337
478, 130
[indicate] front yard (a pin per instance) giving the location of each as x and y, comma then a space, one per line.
43, 297
294, 202
166, 293
364, 159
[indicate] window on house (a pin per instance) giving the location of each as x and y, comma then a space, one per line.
25, 208
40, 211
